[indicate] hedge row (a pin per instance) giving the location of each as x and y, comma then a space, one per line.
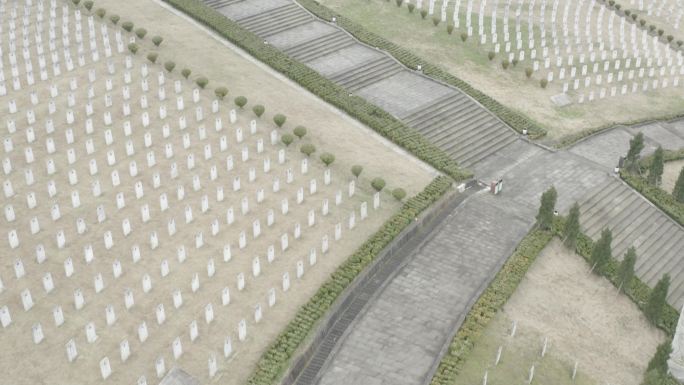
490, 302
505, 284
516, 120
277, 357
659, 197
357, 107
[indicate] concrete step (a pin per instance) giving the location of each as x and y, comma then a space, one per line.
448, 122
469, 131
485, 146
666, 256
656, 238
614, 211
216, 4
250, 20
445, 115
319, 47
367, 73
276, 20
592, 210
628, 236
418, 116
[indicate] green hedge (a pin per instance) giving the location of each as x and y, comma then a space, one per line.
513, 118
569, 140
504, 285
659, 197
359, 108
277, 358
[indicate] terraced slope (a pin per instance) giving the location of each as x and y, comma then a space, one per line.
452, 120
635, 221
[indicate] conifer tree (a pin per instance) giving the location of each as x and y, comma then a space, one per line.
601, 253
626, 270
678, 191
656, 302
572, 227
655, 172
636, 145
548, 203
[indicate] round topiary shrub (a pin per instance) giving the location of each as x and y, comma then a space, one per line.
356, 170
670, 38
423, 13
399, 2
152, 56
114, 19
141, 33
435, 21
505, 63
680, 43
327, 158
464, 36
528, 72
133, 48
186, 72
221, 92
169, 66
450, 28
157, 40
307, 149
543, 83
515, 62
202, 82
127, 26
88, 4
378, 184
76, 2
240, 101
411, 7
491, 55
258, 110
299, 131
287, 139
101, 12
399, 194
279, 120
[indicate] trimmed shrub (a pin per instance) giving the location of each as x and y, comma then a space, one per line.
202, 82
240, 101
411, 7
505, 63
114, 19
543, 83
661, 32
157, 40
670, 38
221, 92
327, 158
152, 56
464, 36
287, 139
680, 43
186, 72
378, 184
450, 28
307, 149
399, 194
356, 170
141, 33
399, 2
491, 55
279, 120
299, 131
101, 12
169, 66
515, 62
258, 110
435, 21
423, 13
133, 48
127, 26
76, 2
88, 4
528, 72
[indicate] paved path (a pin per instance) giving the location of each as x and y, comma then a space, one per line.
452, 120
400, 334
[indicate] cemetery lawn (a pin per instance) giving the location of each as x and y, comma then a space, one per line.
583, 320
469, 62
670, 174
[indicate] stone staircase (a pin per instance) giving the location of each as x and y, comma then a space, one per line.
634, 221
320, 46
368, 73
216, 4
276, 20
461, 127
